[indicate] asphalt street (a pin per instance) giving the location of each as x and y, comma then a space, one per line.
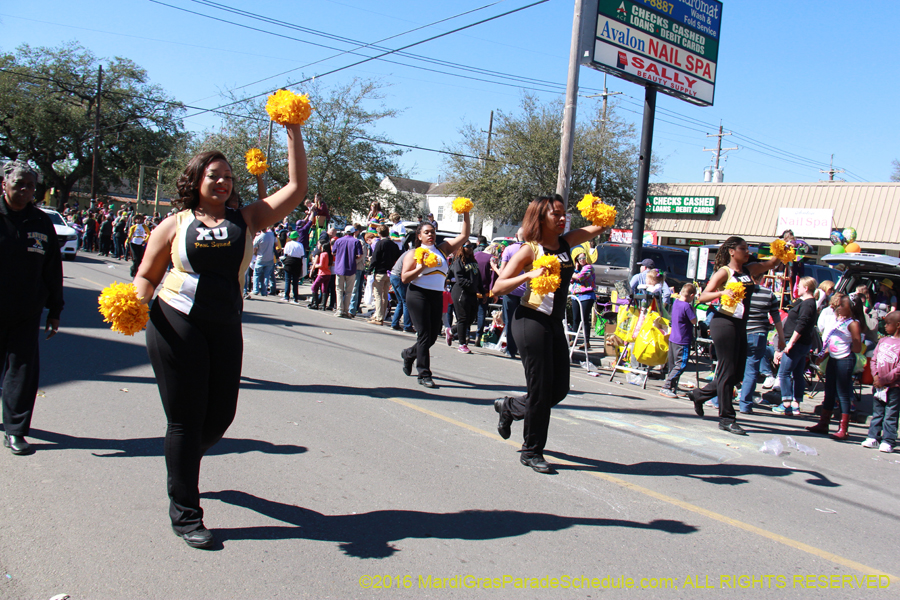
342, 478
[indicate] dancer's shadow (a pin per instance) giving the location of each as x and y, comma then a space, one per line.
370, 535
720, 474
147, 447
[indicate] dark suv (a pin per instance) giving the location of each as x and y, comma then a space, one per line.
613, 261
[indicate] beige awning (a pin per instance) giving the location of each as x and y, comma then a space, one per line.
750, 210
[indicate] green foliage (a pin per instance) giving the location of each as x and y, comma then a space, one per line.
895, 174
48, 99
345, 158
525, 157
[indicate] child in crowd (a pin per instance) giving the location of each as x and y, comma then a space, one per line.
682, 334
323, 267
886, 372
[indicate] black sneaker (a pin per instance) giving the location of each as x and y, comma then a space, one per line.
537, 463
698, 405
407, 365
427, 382
199, 538
731, 427
503, 426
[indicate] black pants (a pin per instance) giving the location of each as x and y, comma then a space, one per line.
291, 283
20, 369
105, 245
466, 307
729, 337
545, 356
198, 369
137, 253
425, 308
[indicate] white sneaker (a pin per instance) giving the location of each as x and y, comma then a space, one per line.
769, 383
885, 447
870, 443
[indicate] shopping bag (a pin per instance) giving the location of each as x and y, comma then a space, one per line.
651, 347
625, 322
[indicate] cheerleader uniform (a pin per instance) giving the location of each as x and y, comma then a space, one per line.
195, 345
425, 301
541, 339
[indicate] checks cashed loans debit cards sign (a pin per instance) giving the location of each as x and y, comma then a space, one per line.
650, 42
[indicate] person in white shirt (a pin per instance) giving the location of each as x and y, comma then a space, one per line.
293, 266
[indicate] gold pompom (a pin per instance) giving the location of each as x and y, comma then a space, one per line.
550, 280
426, 257
783, 252
599, 214
286, 107
462, 205
738, 292
256, 161
120, 306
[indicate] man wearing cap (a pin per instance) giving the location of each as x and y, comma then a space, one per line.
293, 266
346, 249
641, 279
31, 271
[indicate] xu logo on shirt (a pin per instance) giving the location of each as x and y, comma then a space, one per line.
207, 235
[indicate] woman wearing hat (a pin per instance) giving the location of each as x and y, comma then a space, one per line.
886, 298
293, 266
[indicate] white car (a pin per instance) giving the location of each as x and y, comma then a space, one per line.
68, 237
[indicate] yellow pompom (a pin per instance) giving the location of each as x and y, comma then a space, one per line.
462, 205
256, 161
738, 290
599, 214
550, 280
426, 257
783, 252
120, 306
286, 107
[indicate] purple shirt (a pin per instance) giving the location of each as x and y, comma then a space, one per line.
484, 265
346, 248
682, 327
505, 258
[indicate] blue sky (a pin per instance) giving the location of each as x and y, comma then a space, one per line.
796, 81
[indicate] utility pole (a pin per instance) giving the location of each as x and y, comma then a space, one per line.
96, 139
719, 149
643, 183
567, 141
606, 94
140, 190
489, 132
831, 171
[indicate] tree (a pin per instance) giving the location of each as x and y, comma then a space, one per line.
895, 174
525, 157
48, 99
346, 160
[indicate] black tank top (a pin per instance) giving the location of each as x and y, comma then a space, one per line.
561, 295
208, 265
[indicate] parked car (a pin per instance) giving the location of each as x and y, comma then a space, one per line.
613, 262
864, 269
68, 236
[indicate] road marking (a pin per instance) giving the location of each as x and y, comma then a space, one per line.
818, 552
100, 285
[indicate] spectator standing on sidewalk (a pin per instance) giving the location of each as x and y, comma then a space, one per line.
294, 254
401, 310
682, 334
384, 256
347, 249
264, 249
510, 302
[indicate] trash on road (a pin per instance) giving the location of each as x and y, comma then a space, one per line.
808, 450
827, 510
773, 447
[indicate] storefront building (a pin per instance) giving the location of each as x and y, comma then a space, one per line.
696, 214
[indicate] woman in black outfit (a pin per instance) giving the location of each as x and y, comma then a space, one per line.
194, 337
539, 331
425, 296
466, 283
728, 328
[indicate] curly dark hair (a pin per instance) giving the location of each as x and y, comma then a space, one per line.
723, 256
188, 184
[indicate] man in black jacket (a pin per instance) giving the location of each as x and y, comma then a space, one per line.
31, 271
